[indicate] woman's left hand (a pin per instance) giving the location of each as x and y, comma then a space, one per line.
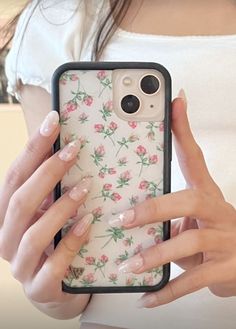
203, 241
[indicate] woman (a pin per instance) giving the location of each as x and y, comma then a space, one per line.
196, 42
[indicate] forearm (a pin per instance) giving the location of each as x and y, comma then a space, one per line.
66, 310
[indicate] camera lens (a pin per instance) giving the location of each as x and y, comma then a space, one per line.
130, 104
149, 84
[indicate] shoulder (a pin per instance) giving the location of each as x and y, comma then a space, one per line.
48, 34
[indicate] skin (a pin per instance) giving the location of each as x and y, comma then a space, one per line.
204, 234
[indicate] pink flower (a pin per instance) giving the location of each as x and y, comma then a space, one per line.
122, 160
161, 126
88, 100
97, 211
138, 249
143, 185
100, 150
90, 260
111, 171
148, 280
133, 138
115, 196
151, 231
141, 150
83, 116
108, 106
130, 281
118, 261
151, 136
153, 159
113, 276
101, 74
99, 127
104, 259
101, 174
113, 126
132, 124
83, 141
74, 77
71, 106
89, 278
107, 187
63, 81
125, 175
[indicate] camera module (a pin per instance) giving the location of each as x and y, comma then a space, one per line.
130, 104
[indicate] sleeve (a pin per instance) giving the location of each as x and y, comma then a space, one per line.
48, 34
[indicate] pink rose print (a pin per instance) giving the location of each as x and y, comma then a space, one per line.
132, 124
148, 281
68, 77
88, 100
124, 142
151, 187
64, 117
151, 231
143, 185
107, 187
104, 259
97, 214
98, 155
130, 281
104, 80
111, 171
90, 260
83, 117
124, 179
121, 258
113, 278
99, 127
145, 160
122, 161
108, 132
151, 127
71, 106
156, 233
115, 196
138, 248
106, 110
141, 150
88, 280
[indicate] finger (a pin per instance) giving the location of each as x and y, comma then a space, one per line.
190, 203
186, 283
185, 244
39, 235
34, 153
26, 200
49, 278
190, 156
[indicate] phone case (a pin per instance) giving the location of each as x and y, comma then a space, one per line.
129, 162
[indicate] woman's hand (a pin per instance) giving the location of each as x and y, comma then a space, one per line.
27, 228
202, 241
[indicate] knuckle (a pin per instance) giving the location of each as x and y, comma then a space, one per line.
4, 250
30, 241
13, 176
155, 207
15, 270
17, 202
196, 239
197, 200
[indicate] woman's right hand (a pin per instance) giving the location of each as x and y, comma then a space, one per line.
26, 229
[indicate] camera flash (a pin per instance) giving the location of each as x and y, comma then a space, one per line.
127, 81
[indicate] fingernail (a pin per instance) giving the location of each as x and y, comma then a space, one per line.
80, 189
182, 95
147, 301
131, 265
70, 151
83, 225
125, 218
49, 124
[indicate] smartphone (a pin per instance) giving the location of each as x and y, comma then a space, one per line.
120, 111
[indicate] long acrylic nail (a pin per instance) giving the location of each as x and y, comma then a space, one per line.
83, 225
49, 124
132, 264
125, 218
81, 189
147, 301
70, 151
182, 95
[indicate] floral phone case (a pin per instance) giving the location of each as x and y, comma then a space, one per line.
129, 162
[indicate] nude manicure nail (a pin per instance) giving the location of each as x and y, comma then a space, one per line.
182, 95
145, 301
83, 225
70, 151
49, 124
124, 218
80, 189
132, 264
